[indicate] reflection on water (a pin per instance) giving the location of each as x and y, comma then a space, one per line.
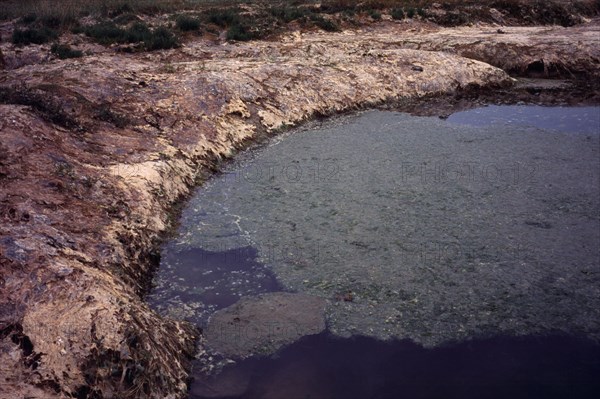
323, 367
194, 283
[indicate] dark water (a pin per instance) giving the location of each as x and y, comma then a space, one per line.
322, 366
195, 283
441, 233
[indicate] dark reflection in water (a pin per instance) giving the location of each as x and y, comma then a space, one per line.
580, 120
322, 366
208, 281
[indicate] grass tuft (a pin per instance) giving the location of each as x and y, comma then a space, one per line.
138, 32
28, 19
374, 14
121, 9
397, 13
63, 51
325, 24
161, 39
105, 32
288, 14
186, 23
239, 32
222, 17
109, 33
124, 19
22, 37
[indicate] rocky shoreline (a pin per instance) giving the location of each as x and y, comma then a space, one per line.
96, 153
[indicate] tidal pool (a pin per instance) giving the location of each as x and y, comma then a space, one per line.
412, 229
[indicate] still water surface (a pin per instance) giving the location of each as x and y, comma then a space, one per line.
458, 257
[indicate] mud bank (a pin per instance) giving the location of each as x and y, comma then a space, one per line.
95, 153
551, 51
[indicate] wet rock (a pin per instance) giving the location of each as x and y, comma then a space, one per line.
264, 324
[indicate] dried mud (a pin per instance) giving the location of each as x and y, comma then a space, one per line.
96, 152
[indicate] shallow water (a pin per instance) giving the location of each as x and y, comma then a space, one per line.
483, 225
196, 282
322, 366
579, 120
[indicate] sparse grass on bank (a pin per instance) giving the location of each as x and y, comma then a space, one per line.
42, 35
109, 33
61, 12
118, 21
65, 10
397, 13
375, 14
326, 24
238, 32
186, 23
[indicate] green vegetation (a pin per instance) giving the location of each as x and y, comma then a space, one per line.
40, 21
64, 51
397, 13
376, 15
186, 23
125, 19
240, 26
288, 14
57, 21
304, 14
139, 32
325, 24
238, 32
121, 9
104, 32
223, 17
33, 36
28, 19
160, 39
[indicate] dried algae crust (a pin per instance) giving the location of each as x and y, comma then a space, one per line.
83, 200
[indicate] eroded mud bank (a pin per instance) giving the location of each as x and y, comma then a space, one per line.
94, 154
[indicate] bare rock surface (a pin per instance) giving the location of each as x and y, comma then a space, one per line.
549, 51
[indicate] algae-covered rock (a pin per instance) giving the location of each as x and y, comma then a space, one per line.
264, 324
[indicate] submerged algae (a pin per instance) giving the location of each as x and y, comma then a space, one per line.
420, 228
